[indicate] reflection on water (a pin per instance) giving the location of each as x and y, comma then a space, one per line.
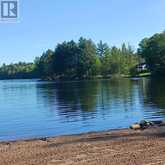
155, 97
30, 108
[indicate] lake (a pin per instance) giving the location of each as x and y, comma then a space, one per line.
33, 109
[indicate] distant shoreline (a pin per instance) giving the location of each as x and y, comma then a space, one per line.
100, 77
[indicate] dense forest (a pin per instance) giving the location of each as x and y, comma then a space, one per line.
20, 70
85, 59
72, 60
153, 51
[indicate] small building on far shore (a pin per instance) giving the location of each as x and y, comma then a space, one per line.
142, 67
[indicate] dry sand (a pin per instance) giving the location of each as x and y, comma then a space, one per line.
122, 147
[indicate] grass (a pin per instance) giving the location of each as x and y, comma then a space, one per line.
144, 74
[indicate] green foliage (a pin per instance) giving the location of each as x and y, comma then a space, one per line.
102, 49
88, 61
44, 65
119, 61
128, 59
65, 60
153, 51
19, 71
75, 60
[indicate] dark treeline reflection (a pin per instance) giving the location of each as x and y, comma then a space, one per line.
154, 95
86, 99
70, 99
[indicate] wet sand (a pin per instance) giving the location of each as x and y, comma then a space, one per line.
121, 147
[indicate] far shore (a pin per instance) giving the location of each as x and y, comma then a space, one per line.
98, 77
141, 147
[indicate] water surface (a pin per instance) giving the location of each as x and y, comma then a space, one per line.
33, 109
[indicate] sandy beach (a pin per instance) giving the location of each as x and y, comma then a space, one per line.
119, 147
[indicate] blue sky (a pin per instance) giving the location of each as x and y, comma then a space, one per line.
43, 24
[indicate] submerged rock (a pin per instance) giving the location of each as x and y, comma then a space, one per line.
143, 124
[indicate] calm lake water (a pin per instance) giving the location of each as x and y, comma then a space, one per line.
33, 109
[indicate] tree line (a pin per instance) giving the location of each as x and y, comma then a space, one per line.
76, 60
85, 59
19, 70
153, 51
